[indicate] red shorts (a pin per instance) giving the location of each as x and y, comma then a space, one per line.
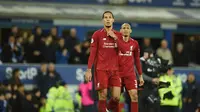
105, 79
130, 82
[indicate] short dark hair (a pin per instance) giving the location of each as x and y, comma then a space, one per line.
107, 12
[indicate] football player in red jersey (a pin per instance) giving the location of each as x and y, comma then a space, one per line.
104, 48
127, 61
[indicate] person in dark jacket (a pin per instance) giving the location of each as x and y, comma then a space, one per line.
76, 55
32, 51
36, 99
38, 35
190, 94
145, 45
8, 97
85, 51
10, 51
20, 48
39, 79
72, 40
49, 50
181, 58
2, 102
18, 97
15, 80
54, 33
51, 78
190, 48
27, 104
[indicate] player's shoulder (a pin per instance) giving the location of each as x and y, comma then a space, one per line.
134, 41
97, 32
117, 32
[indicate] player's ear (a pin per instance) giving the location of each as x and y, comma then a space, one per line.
130, 30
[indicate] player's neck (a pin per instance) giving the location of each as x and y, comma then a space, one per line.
108, 28
126, 38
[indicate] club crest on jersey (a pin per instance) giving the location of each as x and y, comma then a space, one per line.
92, 40
131, 48
104, 38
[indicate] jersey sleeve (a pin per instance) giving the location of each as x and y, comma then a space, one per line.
120, 44
137, 58
93, 50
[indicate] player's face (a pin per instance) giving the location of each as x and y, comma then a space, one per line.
126, 30
108, 19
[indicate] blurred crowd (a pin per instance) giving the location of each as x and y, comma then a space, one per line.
185, 53
37, 47
49, 88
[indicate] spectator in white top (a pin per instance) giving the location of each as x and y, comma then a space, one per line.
165, 52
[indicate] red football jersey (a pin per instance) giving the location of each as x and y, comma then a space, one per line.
104, 50
130, 58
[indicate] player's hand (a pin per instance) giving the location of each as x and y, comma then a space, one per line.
88, 75
112, 34
155, 80
141, 80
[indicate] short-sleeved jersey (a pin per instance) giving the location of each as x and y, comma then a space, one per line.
130, 58
104, 51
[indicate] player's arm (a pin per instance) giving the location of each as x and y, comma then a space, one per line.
93, 50
93, 53
137, 63
118, 38
120, 44
137, 58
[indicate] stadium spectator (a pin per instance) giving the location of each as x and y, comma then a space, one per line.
76, 55
27, 104
15, 80
38, 35
180, 57
190, 47
85, 90
36, 99
25, 37
32, 51
72, 40
39, 79
145, 45
2, 102
14, 31
20, 48
190, 94
10, 51
85, 51
8, 98
49, 50
43, 105
165, 52
198, 51
61, 53
51, 78
18, 98
54, 34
